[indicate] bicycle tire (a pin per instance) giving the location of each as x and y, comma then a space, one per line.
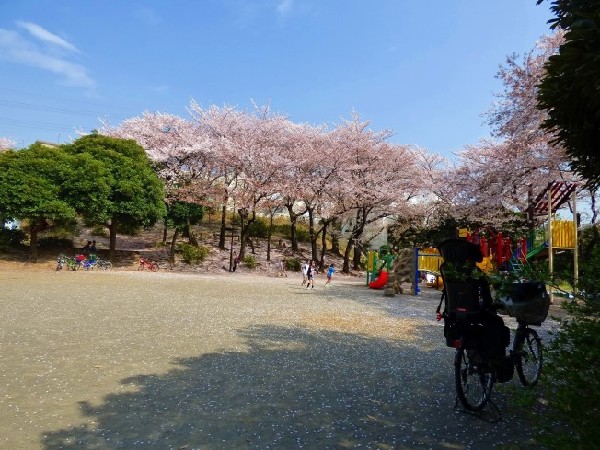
473, 383
104, 265
154, 267
527, 349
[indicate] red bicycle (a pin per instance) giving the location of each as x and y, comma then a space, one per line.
147, 264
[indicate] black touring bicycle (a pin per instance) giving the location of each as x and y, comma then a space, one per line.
473, 327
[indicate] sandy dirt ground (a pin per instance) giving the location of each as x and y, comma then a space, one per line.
127, 359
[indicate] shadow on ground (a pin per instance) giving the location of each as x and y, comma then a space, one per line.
291, 388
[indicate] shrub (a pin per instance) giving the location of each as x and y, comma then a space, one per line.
99, 230
285, 230
258, 228
303, 234
192, 254
11, 238
128, 229
250, 261
293, 264
571, 375
55, 242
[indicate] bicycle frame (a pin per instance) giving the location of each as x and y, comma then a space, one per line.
146, 264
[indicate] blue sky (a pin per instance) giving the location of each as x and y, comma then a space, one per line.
421, 68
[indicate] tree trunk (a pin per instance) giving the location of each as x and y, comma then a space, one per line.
335, 244
294, 234
346, 265
165, 230
323, 247
357, 256
112, 233
313, 236
293, 223
33, 243
269, 233
173, 246
244, 223
593, 207
191, 236
223, 226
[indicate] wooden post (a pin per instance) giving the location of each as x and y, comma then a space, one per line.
231, 244
576, 246
550, 249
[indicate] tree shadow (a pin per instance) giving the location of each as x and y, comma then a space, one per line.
291, 388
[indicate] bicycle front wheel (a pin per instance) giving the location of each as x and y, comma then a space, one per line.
154, 267
105, 265
473, 383
528, 351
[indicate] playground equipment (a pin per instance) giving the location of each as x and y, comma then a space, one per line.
500, 252
505, 254
379, 282
379, 263
390, 270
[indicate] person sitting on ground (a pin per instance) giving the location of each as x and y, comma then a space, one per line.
86, 249
93, 248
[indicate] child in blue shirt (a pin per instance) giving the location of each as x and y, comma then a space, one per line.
330, 272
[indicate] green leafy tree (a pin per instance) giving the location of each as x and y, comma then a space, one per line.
181, 216
569, 91
136, 196
46, 187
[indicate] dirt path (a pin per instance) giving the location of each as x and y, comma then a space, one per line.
166, 360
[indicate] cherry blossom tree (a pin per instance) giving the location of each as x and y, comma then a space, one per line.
494, 176
181, 155
297, 161
249, 156
378, 180
6, 144
318, 167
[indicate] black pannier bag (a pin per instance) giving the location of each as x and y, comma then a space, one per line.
495, 336
451, 331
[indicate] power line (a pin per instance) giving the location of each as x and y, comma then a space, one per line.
35, 124
126, 110
30, 106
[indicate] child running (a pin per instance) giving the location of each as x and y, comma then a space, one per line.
330, 272
304, 268
310, 276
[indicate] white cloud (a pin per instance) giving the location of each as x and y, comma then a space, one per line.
45, 36
18, 49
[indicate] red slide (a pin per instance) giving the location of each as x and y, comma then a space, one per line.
380, 281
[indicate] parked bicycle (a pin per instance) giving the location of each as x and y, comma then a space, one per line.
473, 327
92, 261
64, 261
147, 264
104, 264
81, 261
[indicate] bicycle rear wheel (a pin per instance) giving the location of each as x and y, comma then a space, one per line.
473, 383
154, 267
527, 348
